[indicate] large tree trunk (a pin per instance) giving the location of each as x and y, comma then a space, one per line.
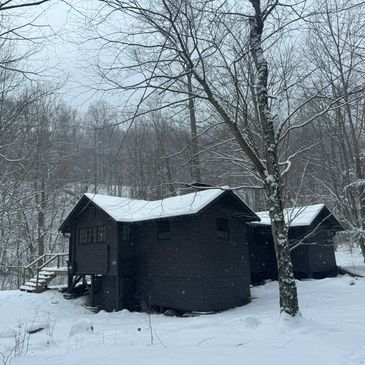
273, 183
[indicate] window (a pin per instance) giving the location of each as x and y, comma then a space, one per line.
222, 228
83, 236
163, 230
126, 232
101, 234
92, 235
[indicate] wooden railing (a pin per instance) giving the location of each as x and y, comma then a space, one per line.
34, 268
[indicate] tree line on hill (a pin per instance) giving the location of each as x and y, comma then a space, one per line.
264, 97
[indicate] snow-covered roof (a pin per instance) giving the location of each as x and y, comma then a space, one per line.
301, 216
132, 210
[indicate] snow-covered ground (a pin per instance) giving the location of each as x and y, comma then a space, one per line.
350, 258
331, 331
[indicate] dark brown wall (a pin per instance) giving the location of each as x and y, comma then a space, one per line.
168, 270
314, 258
224, 262
262, 253
301, 261
322, 259
126, 252
177, 256
194, 270
321, 253
97, 258
127, 269
108, 292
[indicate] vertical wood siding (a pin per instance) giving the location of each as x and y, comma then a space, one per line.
314, 258
194, 270
98, 258
262, 254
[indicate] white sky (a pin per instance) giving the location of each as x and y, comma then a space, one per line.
65, 59
66, 55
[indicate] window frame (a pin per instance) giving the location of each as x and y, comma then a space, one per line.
101, 238
222, 228
126, 232
92, 235
82, 235
163, 234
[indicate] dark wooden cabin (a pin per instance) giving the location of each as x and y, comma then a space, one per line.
313, 258
188, 252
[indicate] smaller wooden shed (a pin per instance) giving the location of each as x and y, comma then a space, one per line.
188, 252
311, 231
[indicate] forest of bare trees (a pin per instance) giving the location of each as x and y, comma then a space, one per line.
265, 97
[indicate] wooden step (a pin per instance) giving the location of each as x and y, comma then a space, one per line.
33, 288
47, 273
40, 280
37, 286
34, 284
27, 288
54, 268
45, 277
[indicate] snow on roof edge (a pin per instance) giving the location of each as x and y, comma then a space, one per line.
295, 217
143, 210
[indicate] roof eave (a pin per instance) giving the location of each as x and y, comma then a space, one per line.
254, 216
65, 226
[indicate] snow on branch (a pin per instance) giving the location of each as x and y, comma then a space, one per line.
357, 184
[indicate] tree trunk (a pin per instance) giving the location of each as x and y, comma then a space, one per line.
195, 163
41, 224
362, 246
273, 179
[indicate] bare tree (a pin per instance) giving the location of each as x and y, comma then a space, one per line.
335, 49
212, 45
230, 53
14, 4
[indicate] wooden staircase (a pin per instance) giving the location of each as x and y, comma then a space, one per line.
39, 273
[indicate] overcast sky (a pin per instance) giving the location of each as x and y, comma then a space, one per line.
65, 57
